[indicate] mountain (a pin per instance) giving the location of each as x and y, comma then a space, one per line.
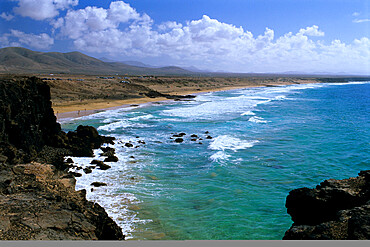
22, 60
140, 64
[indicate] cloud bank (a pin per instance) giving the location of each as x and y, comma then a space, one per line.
42, 9
121, 31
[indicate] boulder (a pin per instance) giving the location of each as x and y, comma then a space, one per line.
98, 184
111, 159
335, 209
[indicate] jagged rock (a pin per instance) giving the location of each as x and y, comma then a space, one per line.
179, 140
107, 151
209, 137
100, 164
84, 139
76, 174
335, 209
69, 160
88, 170
111, 159
129, 145
98, 184
41, 204
38, 200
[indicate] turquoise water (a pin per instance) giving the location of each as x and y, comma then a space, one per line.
265, 142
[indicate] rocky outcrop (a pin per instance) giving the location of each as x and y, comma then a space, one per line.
37, 196
335, 209
38, 202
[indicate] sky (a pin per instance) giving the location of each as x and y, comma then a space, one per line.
248, 36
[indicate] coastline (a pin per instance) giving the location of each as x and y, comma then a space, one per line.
89, 107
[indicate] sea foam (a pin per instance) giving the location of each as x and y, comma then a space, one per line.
232, 143
256, 119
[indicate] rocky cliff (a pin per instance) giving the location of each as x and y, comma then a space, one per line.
335, 210
37, 196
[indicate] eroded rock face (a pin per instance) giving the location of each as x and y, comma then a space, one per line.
335, 209
37, 196
40, 203
27, 120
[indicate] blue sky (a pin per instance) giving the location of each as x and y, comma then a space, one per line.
220, 35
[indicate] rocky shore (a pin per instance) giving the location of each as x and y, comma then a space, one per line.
38, 200
334, 210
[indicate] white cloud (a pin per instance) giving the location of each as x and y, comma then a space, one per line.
355, 14
6, 16
78, 23
19, 38
42, 9
361, 20
312, 31
206, 43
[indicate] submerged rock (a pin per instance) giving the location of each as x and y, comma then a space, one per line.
335, 209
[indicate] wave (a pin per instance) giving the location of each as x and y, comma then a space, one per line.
220, 155
120, 125
248, 113
232, 143
257, 120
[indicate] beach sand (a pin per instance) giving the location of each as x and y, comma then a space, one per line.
90, 96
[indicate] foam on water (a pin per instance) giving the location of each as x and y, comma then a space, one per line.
177, 184
117, 204
220, 155
232, 143
248, 113
256, 119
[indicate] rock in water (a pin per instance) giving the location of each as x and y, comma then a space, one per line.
179, 140
335, 210
111, 159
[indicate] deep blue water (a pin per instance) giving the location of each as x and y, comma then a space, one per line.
265, 142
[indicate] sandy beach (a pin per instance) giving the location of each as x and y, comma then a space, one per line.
69, 103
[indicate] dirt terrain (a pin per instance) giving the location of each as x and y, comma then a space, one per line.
85, 92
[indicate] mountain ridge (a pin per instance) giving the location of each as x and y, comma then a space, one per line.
22, 60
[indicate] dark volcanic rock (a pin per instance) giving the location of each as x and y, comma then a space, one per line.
129, 145
100, 164
107, 151
335, 209
27, 120
98, 184
41, 204
37, 196
84, 139
111, 159
88, 170
179, 140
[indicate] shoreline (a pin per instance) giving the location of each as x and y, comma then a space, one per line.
89, 107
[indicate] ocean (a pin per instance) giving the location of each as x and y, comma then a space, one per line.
242, 152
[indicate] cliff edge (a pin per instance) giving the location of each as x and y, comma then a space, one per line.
334, 210
38, 200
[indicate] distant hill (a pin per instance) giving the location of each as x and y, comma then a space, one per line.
140, 64
22, 60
